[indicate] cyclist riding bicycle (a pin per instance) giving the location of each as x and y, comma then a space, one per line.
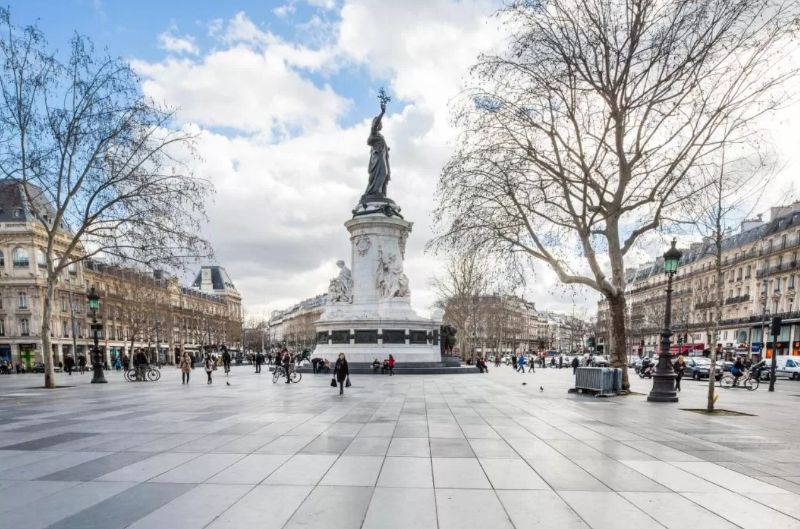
737, 370
286, 361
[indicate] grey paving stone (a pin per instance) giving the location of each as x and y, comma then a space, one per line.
62, 504
95, 468
125, 508
470, 509
539, 508
332, 508
264, 507
392, 508
47, 442
195, 509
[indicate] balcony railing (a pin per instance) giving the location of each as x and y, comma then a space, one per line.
737, 299
704, 305
777, 269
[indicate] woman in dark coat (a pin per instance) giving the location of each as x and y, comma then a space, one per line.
341, 372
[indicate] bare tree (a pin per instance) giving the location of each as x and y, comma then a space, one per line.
587, 131
102, 170
735, 187
461, 290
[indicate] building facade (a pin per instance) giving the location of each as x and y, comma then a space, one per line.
138, 310
760, 271
294, 327
499, 323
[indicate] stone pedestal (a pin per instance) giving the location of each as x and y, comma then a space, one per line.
379, 321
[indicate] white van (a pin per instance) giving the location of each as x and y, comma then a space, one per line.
786, 366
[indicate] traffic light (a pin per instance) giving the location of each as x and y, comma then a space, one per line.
776, 326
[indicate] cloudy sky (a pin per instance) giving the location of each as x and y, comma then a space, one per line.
283, 93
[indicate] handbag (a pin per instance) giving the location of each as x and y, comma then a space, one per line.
333, 382
347, 382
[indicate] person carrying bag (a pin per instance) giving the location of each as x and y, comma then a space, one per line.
341, 374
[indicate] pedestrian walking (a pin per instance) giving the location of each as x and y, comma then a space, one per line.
575, 364
82, 364
126, 362
69, 364
186, 367
531, 364
679, 367
391, 365
209, 366
514, 362
226, 360
341, 373
258, 360
560, 361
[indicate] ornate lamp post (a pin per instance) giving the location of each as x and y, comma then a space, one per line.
664, 377
98, 377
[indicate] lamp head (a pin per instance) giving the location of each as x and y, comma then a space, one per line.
94, 299
672, 259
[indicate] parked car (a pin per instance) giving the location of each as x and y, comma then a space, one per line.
599, 361
38, 367
787, 366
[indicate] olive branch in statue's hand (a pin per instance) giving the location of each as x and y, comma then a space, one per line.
384, 98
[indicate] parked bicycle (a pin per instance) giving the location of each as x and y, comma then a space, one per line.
151, 374
279, 372
746, 380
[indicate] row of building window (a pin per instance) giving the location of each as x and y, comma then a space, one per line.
20, 259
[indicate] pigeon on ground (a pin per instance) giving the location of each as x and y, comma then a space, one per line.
228, 383
524, 383
541, 388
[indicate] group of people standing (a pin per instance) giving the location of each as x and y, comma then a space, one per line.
186, 365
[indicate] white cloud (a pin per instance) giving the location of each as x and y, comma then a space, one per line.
177, 44
287, 181
244, 89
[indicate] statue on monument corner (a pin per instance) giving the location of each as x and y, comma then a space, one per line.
340, 288
390, 279
379, 171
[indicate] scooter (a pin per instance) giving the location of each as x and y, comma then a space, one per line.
647, 372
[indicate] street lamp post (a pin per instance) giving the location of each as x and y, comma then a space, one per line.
98, 376
664, 377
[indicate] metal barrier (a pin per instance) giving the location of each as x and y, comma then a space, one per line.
602, 380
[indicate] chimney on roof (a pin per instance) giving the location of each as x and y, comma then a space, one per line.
780, 211
749, 224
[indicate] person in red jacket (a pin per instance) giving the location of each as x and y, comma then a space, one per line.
391, 365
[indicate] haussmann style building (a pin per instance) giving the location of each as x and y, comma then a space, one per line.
147, 311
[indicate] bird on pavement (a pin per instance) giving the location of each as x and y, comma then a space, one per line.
228, 383
541, 388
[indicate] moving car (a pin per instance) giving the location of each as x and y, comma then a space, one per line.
698, 367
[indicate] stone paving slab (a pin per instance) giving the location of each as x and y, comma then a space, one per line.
402, 452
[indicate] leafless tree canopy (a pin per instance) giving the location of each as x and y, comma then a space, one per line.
587, 131
104, 172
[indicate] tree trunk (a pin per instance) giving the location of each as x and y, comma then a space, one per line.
47, 346
616, 357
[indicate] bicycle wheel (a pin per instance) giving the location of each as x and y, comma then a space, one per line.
296, 377
153, 375
727, 381
751, 384
130, 375
276, 375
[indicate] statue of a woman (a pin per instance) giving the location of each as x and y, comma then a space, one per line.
379, 172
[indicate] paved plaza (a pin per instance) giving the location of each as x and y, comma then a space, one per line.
447, 452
